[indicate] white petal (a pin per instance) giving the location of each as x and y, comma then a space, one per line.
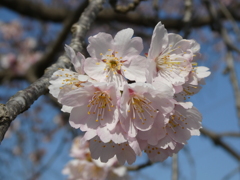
159, 41
125, 46
99, 43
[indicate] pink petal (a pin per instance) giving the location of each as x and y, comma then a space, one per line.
95, 69
135, 70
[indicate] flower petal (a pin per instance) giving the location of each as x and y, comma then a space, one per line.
159, 41
99, 43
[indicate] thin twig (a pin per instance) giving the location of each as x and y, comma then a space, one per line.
187, 18
138, 167
229, 16
234, 81
229, 134
175, 167
231, 173
50, 161
217, 140
230, 47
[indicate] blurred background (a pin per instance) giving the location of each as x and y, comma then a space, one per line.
32, 37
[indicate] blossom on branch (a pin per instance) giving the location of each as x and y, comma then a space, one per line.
116, 59
126, 103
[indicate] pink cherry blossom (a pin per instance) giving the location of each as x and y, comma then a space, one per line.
169, 56
114, 60
140, 104
153, 135
82, 170
193, 85
121, 120
156, 154
80, 148
84, 167
65, 80
184, 122
66, 77
125, 152
93, 105
115, 133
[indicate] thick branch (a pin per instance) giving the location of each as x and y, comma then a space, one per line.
36, 10
44, 12
149, 21
25, 98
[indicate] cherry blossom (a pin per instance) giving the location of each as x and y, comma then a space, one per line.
83, 167
183, 122
169, 56
93, 105
126, 103
140, 104
193, 84
125, 152
114, 60
65, 80
156, 154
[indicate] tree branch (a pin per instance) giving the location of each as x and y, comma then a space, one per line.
175, 170
230, 47
124, 9
218, 141
187, 18
43, 12
21, 101
36, 10
229, 134
136, 168
38, 68
234, 81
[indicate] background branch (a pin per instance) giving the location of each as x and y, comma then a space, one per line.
217, 140
36, 70
175, 167
36, 10
46, 13
124, 9
136, 168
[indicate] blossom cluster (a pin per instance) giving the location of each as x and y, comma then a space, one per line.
83, 167
128, 103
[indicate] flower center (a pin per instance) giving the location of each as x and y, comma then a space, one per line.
141, 107
113, 63
164, 61
99, 104
70, 79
